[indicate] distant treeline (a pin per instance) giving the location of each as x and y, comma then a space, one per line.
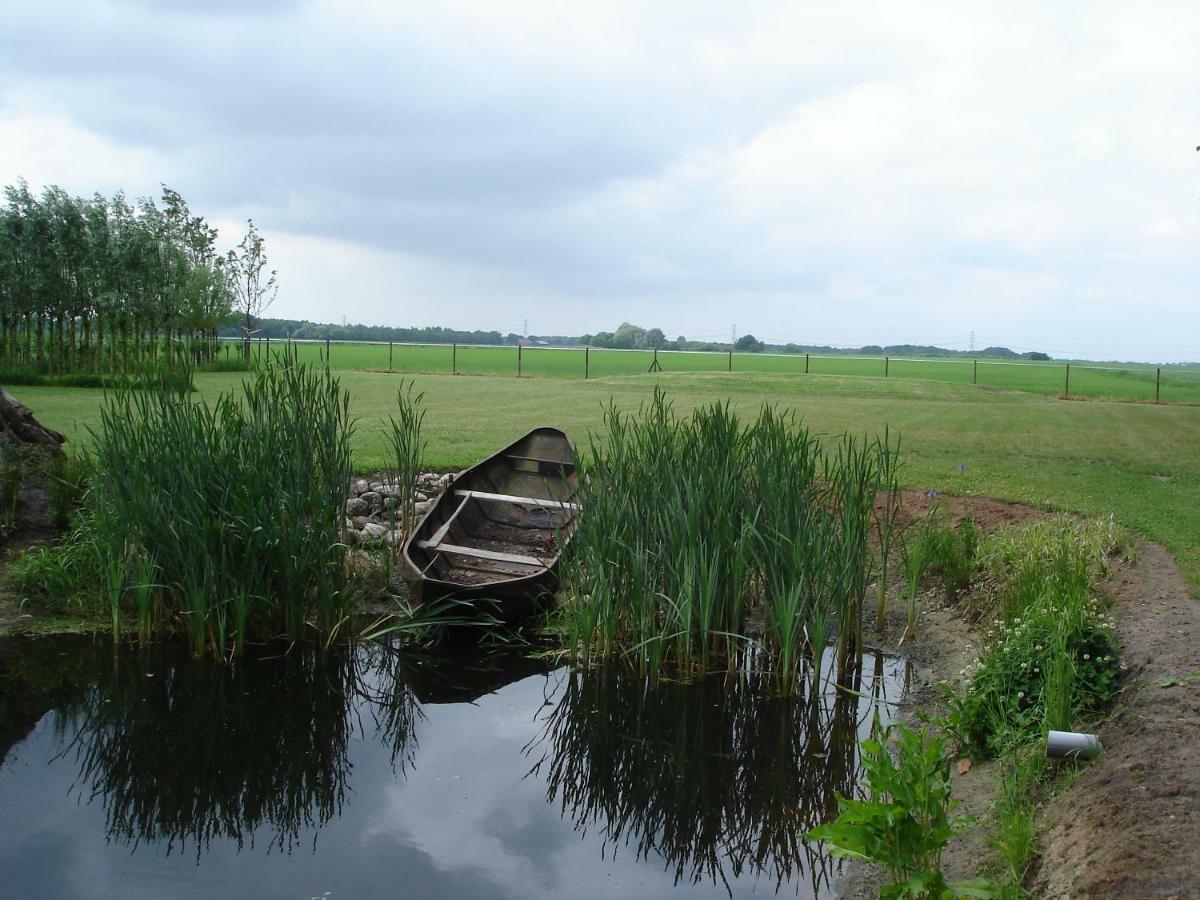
302, 329
626, 337
633, 337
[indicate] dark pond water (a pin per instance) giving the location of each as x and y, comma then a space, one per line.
376, 773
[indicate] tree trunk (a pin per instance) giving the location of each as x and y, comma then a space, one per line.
19, 425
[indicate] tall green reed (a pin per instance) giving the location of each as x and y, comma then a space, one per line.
887, 511
702, 533
404, 439
223, 520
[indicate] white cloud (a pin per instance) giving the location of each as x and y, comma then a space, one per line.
858, 171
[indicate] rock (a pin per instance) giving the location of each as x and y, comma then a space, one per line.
360, 486
360, 521
377, 487
421, 508
419, 497
356, 506
390, 502
373, 533
374, 498
395, 538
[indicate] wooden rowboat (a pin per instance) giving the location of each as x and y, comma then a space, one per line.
497, 530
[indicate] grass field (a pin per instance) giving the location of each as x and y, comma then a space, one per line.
1136, 461
1092, 381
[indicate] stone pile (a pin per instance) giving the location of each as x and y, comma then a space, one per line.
371, 504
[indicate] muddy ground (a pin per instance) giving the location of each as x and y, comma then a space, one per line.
1127, 827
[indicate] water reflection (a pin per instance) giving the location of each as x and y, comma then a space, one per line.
184, 752
718, 779
315, 757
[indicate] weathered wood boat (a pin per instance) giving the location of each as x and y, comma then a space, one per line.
497, 530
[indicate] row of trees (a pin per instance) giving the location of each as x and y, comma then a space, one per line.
97, 284
633, 337
302, 329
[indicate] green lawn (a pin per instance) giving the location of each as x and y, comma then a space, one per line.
1124, 382
1138, 461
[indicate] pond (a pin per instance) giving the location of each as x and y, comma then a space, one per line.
374, 771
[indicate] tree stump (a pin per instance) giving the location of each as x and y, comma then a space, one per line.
20, 426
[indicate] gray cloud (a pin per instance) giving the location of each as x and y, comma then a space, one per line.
857, 173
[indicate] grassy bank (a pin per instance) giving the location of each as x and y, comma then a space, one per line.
1135, 461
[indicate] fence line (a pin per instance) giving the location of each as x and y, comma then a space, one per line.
524, 362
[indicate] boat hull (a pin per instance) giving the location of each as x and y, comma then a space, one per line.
494, 536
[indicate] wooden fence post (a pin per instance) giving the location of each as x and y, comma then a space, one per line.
887, 364
1157, 383
805, 363
454, 358
389, 356
975, 373
730, 360
518, 360
1067, 385
586, 361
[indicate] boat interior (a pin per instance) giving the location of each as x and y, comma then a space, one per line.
502, 519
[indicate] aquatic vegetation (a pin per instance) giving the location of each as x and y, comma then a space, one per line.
950, 552
915, 561
904, 821
887, 510
700, 534
404, 439
223, 521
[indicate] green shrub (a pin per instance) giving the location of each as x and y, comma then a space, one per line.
904, 822
227, 364
1050, 654
1021, 679
60, 575
108, 380
1060, 554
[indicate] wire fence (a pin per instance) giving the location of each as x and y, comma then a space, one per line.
1130, 382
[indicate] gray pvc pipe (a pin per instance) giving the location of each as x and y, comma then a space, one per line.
1064, 744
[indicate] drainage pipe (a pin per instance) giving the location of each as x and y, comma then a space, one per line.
1073, 745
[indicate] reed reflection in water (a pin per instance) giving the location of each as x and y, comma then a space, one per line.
717, 778
182, 751
241, 767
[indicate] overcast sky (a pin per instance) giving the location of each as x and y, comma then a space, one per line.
819, 173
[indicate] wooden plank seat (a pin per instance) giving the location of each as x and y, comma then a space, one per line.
479, 553
524, 501
561, 463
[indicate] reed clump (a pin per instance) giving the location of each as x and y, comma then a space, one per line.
703, 534
223, 521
